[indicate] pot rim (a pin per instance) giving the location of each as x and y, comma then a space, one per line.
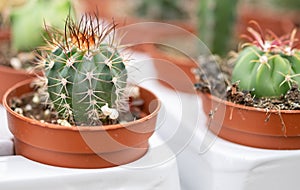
239, 106
11, 70
76, 128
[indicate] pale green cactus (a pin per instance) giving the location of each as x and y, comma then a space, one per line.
268, 66
27, 21
85, 72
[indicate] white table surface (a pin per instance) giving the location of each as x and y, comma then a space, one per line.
156, 170
6, 143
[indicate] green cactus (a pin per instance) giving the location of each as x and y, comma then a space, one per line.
269, 65
86, 74
216, 23
27, 21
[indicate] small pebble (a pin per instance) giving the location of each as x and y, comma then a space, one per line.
123, 122
134, 92
114, 114
15, 63
19, 111
106, 110
64, 122
28, 107
137, 102
36, 99
47, 112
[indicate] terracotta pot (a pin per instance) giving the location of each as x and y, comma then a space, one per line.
10, 76
253, 126
4, 34
81, 147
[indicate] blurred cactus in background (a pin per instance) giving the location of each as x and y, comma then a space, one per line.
162, 9
27, 21
286, 4
216, 24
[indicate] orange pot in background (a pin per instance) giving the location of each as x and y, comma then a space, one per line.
174, 71
8, 75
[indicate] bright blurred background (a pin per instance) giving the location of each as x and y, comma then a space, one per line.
218, 23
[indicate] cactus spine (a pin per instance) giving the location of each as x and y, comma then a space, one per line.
268, 66
216, 23
86, 75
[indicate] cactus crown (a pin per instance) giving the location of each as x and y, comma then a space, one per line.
268, 65
86, 75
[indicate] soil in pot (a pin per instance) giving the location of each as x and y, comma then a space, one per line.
33, 105
45, 141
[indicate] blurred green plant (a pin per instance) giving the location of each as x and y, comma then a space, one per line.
5, 6
162, 9
27, 21
287, 4
216, 24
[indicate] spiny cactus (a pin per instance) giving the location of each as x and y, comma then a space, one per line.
268, 65
86, 74
27, 21
216, 23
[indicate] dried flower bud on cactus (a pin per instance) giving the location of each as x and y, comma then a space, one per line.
268, 65
86, 75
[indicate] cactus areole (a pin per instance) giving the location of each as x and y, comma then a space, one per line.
86, 75
268, 65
